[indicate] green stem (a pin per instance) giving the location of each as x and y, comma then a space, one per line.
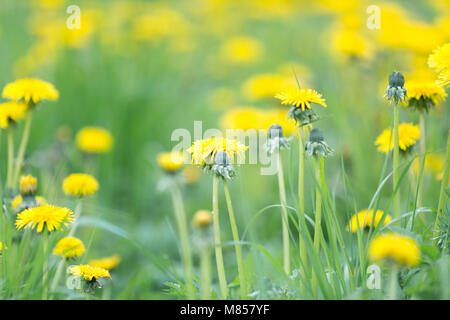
10, 159
396, 163
422, 151
392, 289
284, 217
45, 264
22, 147
57, 276
217, 241
237, 246
205, 265
301, 201
181, 220
77, 214
444, 184
317, 222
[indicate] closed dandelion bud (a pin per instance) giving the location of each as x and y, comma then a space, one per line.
202, 219
28, 185
316, 144
276, 140
222, 167
395, 90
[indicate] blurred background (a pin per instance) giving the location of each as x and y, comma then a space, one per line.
141, 69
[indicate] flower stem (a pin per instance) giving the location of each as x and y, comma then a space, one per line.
444, 184
205, 266
237, 246
317, 222
217, 241
77, 215
10, 159
180, 216
284, 216
45, 265
422, 151
57, 276
301, 200
392, 293
22, 148
395, 165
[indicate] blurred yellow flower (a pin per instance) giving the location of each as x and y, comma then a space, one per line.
69, 247
192, 174
351, 44
423, 94
278, 116
266, 85
94, 140
242, 49
363, 219
439, 60
171, 161
408, 135
47, 215
242, 118
203, 151
30, 90
395, 248
202, 219
301, 98
18, 200
89, 273
433, 164
11, 112
28, 185
107, 263
80, 184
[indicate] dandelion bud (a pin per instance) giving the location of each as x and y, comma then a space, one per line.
396, 79
316, 144
202, 219
275, 131
28, 185
222, 167
395, 90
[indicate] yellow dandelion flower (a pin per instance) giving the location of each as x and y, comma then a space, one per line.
171, 161
94, 140
107, 263
203, 151
52, 217
28, 185
18, 200
202, 219
242, 118
11, 112
89, 273
349, 44
69, 247
1, 246
433, 164
408, 134
439, 60
301, 98
30, 90
80, 184
266, 85
423, 94
393, 247
363, 219
242, 49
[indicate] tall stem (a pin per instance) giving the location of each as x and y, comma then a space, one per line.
45, 266
217, 241
301, 201
284, 216
22, 147
444, 184
422, 151
57, 276
317, 222
237, 246
392, 293
9, 172
186, 254
205, 265
395, 165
